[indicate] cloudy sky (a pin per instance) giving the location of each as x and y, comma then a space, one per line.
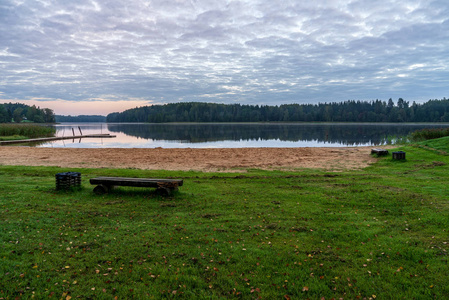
97, 57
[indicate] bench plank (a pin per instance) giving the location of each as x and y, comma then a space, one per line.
137, 182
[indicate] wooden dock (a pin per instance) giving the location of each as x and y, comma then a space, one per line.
57, 138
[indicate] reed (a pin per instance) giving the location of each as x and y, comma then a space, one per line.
428, 134
26, 130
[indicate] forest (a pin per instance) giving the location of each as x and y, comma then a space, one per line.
347, 111
18, 113
80, 118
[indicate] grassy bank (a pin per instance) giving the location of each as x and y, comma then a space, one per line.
24, 131
377, 233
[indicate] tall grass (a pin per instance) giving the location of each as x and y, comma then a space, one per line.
428, 134
417, 136
26, 130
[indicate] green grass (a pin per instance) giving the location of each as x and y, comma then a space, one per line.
381, 232
25, 130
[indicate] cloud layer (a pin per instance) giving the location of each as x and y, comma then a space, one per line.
251, 52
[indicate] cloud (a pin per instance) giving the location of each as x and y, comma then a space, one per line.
257, 52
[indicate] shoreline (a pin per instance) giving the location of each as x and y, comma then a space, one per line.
196, 159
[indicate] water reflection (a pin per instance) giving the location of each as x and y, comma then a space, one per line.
343, 134
225, 135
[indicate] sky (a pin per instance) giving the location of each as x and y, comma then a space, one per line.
98, 57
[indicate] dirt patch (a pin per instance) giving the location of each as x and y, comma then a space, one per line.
223, 159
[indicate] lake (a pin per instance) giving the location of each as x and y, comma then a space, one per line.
232, 135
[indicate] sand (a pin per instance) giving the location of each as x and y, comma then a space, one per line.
208, 160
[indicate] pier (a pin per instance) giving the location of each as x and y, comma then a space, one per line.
57, 138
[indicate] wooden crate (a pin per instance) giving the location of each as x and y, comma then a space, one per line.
68, 180
399, 155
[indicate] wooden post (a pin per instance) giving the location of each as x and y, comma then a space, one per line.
73, 131
80, 130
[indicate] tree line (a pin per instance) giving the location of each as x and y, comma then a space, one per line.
80, 118
347, 111
18, 112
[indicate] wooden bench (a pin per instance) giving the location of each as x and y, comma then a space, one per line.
379, 151
163, 186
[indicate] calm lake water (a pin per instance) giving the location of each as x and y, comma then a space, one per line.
218, 135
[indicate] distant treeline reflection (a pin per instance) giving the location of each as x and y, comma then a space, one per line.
345, 134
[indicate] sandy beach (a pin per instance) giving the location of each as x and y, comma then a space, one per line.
208, 160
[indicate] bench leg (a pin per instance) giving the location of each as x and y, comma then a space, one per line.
102, 189
163, 191
166, 188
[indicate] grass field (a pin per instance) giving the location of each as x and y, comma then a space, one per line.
377, 233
